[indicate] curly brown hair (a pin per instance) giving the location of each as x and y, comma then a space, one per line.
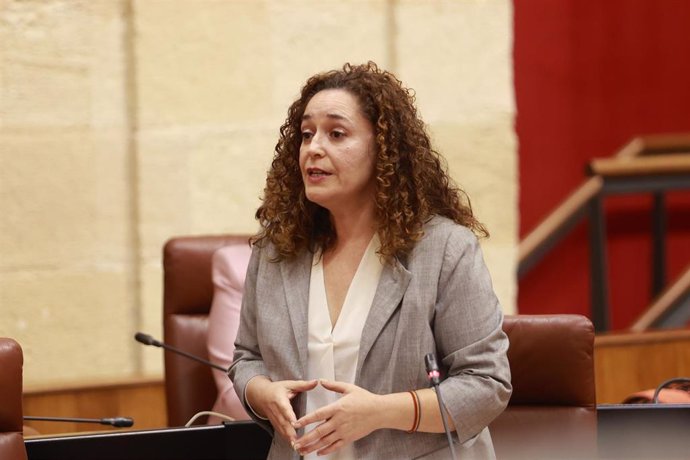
412, 182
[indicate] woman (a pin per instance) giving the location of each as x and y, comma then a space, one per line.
365, 263
229, 265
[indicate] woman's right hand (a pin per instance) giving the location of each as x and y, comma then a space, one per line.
272, 400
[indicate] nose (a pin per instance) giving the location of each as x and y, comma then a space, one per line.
316, 145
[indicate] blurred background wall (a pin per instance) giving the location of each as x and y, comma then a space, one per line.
126, 122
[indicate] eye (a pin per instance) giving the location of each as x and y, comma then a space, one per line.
337, 134
306, 135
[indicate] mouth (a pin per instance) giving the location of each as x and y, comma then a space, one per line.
316, 172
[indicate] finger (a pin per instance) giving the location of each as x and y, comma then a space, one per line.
314, 436
339, 387
322, 443
287, 431
302, 385
286, 412
281, 413
318, 415
283, 425
332, 448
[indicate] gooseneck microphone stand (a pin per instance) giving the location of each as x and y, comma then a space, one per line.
148, 340
433, 374
118, 422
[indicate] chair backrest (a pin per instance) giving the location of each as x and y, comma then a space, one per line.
552, 411
11, 422
187, 297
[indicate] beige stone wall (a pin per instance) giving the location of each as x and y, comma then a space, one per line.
125, 122
67, 253
457, 55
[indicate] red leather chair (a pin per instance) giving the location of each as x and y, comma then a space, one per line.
187, 297
11, 422
551, 359
552, 412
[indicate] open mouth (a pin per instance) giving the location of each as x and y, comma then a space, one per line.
316, 172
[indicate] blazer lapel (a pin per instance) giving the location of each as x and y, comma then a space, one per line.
296, 277
392, 286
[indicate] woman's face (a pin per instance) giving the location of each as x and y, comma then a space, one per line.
338, 152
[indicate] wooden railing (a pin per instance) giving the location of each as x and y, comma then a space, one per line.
651, 164
666, 164
559, 221
661, 310
556, 225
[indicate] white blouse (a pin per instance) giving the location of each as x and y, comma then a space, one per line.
333, 350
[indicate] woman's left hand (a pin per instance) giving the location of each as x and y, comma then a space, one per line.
350, 418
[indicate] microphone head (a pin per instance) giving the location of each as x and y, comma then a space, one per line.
432, 369
119, 422
146, 339
430, 362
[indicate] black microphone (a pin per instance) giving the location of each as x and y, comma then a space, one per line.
118, 422
432, 371
434, 375
148, 340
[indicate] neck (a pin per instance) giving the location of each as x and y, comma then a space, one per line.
354, 225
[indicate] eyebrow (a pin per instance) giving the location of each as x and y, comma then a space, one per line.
333, 116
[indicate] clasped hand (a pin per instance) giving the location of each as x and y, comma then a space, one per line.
348, 419
351, 417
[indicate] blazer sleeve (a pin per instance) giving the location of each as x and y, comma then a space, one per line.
470, 339
229, 267
247, 362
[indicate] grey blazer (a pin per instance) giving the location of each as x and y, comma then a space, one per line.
440, 299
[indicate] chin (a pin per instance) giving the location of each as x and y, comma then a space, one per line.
318, 199
313, 197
